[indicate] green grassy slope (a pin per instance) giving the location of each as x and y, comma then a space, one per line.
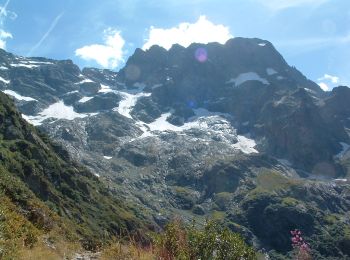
42, 187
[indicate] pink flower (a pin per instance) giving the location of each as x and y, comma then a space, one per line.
302, 248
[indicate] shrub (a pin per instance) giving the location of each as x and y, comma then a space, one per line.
173, 243
15, 230
212, 242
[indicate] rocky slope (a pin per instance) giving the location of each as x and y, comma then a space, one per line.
225, 131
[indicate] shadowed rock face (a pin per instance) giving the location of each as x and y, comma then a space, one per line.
280, 106
235, 134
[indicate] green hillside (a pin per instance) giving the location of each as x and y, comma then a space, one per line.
42, 190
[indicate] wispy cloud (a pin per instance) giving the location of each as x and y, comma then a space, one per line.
278, 5
43, 38
108, 55
202, 31
333, 79
4, 13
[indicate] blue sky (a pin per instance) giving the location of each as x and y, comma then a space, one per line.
313, 35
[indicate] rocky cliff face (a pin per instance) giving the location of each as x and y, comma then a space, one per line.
226, 131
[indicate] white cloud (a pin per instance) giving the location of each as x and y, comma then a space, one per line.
202, 31
333, 79
109, 54
327, 82
277, 5
3, 37
323, 86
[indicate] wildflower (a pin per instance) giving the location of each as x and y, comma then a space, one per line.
300, 246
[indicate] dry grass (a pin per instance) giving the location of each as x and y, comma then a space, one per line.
45, 250
132, 251
176, 242
116, 251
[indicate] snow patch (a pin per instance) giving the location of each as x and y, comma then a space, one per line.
18, 96
197, 121
309, 90
3, 68
29, 66
156, 86
270, 71
279, 102
4, 80
280, 77
105, 89
160, 124
130, 97
107, 157
248, 76
214, 123
245, 144
58, 111
285, 162
38, 62
262, 44
83, 81
344, 151
71, 92
85, 99
341, 180
23, 62
128, 102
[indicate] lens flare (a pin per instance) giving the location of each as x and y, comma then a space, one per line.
191, 103
201, 55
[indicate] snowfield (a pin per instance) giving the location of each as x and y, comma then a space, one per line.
128, 102
57, 111
213, 125
216, 125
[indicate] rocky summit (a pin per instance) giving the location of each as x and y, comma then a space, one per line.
223, 131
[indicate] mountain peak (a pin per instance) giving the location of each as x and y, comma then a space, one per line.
191, 130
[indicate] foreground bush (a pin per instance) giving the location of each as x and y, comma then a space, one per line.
212, 242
